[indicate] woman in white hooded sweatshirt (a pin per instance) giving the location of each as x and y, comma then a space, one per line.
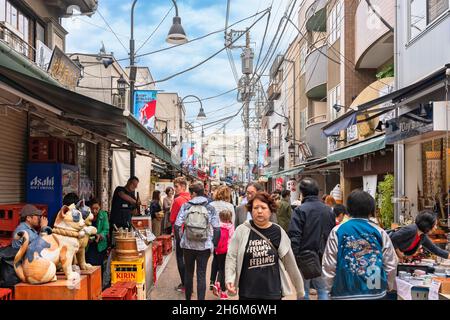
260, 259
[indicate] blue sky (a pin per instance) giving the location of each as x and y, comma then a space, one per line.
199, 17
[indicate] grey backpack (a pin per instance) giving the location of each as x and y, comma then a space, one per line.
196, 224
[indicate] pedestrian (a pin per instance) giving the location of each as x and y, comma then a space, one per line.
284, 210
409, 239
222, 201
226, 233
96, 251
341, 214
156, 213
31, 220
167, 205
242, 213
124, 202
359, 261
260, 260
181, 197
198, 239
310, 226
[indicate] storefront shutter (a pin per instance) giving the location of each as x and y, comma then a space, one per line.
13, 154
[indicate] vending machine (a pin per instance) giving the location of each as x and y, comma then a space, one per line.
48, 183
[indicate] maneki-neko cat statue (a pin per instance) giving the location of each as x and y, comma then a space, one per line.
37, 262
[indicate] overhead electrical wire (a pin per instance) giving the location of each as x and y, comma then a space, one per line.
115, 34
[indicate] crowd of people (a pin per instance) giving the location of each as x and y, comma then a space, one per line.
261, 242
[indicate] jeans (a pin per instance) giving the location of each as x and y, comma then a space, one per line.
180, 260
319, 285
192, 258
214, 269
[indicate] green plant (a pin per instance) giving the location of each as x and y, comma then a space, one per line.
386, 72
385, 194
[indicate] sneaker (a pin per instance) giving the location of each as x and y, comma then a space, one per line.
216, 289
223, 295
180, 288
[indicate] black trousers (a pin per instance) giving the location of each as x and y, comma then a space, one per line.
214, 269
221, 270
180, 260
192, 258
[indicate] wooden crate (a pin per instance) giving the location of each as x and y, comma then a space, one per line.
445, 285
142, 223
166, 243
58, 290
5, 294
128, 271
114, 293
94, 276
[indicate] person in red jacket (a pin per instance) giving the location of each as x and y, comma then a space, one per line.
181, 197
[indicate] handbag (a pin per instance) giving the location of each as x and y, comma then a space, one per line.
309, 264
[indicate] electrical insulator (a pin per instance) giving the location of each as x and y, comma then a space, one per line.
247, 61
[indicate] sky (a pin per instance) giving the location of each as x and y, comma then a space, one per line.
198, 17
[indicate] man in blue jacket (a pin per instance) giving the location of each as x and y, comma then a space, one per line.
310, 226
359, 260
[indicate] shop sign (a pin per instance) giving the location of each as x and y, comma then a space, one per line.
64, 70
409, 125
126, 276
43, 55
352, 133
47, 183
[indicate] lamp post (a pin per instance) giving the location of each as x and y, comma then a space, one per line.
176, 36
200, 117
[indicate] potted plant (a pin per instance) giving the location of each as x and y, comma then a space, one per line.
386, 207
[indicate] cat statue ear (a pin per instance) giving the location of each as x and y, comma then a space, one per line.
65, 209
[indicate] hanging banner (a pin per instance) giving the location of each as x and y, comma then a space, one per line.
262, 154
144, 108
370, 184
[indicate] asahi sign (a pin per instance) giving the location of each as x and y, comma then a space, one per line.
64, 70
47, 183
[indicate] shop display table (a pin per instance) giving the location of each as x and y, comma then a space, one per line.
58, 290
94, 276
416, 291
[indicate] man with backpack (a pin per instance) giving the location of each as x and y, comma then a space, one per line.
198, 237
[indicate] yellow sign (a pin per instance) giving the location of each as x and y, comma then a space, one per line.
64, 70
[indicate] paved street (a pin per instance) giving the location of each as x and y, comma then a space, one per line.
169, 279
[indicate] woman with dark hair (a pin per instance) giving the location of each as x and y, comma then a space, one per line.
96, 250
167, 205
260, 259
408, 240
156, 213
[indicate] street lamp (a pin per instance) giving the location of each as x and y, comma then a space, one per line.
122, 85
201, 114
291, 149
176, 33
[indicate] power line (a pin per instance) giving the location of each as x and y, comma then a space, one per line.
115, 34
156, 29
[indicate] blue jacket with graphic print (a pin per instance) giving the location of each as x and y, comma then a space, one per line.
359, 261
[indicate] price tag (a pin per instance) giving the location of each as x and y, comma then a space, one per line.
434, 290
141, 246
150, 235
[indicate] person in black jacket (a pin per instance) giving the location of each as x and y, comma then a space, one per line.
309, 229
408, 240
155, 213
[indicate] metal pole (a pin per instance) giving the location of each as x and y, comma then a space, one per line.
132, 54
247, 114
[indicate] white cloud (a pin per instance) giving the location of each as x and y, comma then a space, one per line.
209, 79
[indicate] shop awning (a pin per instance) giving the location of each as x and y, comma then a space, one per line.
364, 147
288, 172
342, 123
104, 119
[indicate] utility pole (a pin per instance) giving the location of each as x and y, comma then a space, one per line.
247, 69
132, 81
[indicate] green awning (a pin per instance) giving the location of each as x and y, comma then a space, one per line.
288, 172
359, 149
142, 137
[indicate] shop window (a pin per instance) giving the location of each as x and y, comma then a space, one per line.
2, 10
424, 12
303, 54
302, 122
40, 32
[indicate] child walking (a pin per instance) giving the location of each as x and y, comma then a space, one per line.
226, 232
